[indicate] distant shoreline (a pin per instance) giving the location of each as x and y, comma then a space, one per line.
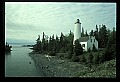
27, 45
21, 43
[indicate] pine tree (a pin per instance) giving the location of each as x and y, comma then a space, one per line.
82, 59
50, 44
53, 43
91, 33
57, 45
82, 33
86, 34
71, 48
103, 37
110, 51
90, 58
43, 43
62, 44
96, 33
97, 59
89, 49
37, 47
78, 50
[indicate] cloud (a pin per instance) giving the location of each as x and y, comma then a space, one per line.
53, 18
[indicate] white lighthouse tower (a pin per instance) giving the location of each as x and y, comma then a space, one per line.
77, 30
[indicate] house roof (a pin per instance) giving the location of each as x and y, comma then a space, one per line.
84, 39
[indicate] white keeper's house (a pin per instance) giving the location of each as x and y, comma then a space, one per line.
86, 42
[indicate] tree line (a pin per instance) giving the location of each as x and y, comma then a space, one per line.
63, 46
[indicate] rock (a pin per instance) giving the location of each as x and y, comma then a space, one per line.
46, 66
29, 62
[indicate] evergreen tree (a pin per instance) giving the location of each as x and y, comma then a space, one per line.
78, 50
43, 43
75, 58
70, 48
90, 58
82, 59
103, 37
91, 33
86, 34
82, 33
97, 59
53, 43
50, 44
96, 33
89, 49
57, 45
62, 42
37, 47
66, 43
110, 51
108, 32
69, 40
70, 37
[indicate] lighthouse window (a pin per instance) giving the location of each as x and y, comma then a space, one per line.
94, 40
91, 40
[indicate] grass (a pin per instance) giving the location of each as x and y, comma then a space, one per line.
104, 70
65, 67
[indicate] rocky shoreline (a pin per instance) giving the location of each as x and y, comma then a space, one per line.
8, 48
53, 67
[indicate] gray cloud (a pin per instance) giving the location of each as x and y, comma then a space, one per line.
53, 18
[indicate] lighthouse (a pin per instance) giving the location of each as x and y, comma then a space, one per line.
77, 30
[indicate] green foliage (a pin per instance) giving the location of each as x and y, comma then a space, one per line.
90, 58
110, 50
89, 49
82, 58
37, 47
78, 50
75, 58
94, 49
60, 55
96, 59
82, 33
67, 55
104, 70
103, 37
52, 53
91, 33
57, 47
64, 44
86, 34
96, 33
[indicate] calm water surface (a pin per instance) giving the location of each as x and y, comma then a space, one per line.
17, 63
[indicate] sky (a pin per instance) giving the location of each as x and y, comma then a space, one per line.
24, 21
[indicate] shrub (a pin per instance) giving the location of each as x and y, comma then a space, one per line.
96, 59
52, 53
75, 58
78, 50
82, 58
59, 55
67, 55
89, 49
90, 58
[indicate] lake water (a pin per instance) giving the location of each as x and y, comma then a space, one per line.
17, 63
